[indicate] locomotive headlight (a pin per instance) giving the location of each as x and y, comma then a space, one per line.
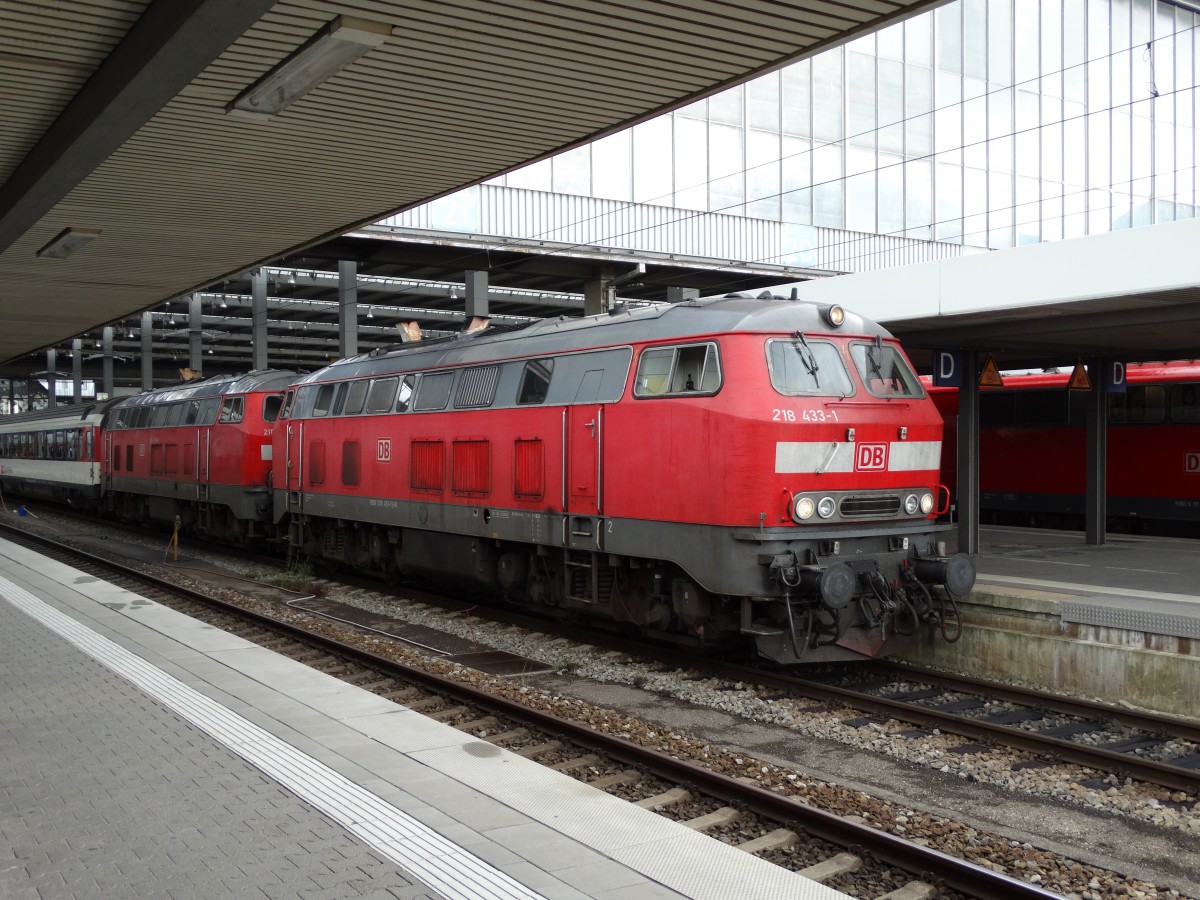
826, 507
926, 503
835, 316
803, 509
910, 504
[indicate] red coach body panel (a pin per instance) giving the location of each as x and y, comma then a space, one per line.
1153, 445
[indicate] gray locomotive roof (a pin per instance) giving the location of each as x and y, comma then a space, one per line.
695, 318
261, 379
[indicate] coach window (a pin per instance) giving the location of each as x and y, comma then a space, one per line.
356, 395
1042, 409
1185, 404
691, 369
233, 409
1139, 405
535, 381
801, 367
408, 387
997, 409
381, 395
434, 392
884, 371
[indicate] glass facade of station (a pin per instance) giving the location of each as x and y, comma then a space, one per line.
983, 123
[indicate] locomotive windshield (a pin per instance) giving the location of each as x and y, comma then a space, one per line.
884, 371
800, 366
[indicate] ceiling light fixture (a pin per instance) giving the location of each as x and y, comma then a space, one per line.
67, 242
338, 44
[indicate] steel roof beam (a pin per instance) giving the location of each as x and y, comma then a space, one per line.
172, 43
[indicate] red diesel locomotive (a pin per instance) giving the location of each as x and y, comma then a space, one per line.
736, 469
1153, 447
732, 471
200, 451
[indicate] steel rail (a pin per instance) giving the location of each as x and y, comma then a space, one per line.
1133, 718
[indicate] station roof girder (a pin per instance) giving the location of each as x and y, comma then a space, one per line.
116, 121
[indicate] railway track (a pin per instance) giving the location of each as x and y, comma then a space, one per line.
1111, 740
814, 841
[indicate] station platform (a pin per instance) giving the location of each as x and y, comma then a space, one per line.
146, 754
1119, 621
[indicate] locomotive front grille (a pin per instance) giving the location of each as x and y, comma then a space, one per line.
876, 505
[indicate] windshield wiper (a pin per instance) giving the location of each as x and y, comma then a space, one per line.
806, 355
875, 357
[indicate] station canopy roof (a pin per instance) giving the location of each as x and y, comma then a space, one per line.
150, 150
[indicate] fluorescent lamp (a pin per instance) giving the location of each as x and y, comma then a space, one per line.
67, 242
330, 50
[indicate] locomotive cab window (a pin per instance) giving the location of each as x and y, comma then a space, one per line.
434, 392
288, 400
383, 391
405, 396
356, 396
799, 366
535, 381
233, 409
339, 399
208, 410
323, 400
272, 403
690, 369
884, 371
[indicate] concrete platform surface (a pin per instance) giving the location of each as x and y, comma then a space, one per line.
145, 754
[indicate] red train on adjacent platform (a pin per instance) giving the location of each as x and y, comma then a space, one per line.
733, 470
1153, 448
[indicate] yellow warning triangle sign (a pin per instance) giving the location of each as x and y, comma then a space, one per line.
1079, 379
990, 376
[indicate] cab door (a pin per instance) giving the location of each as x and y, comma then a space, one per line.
202, 455
293, 464
584, 438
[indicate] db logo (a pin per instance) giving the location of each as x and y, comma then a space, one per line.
870, 457
383, 450
1191, 463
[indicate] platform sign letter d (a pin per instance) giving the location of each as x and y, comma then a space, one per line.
948, 368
